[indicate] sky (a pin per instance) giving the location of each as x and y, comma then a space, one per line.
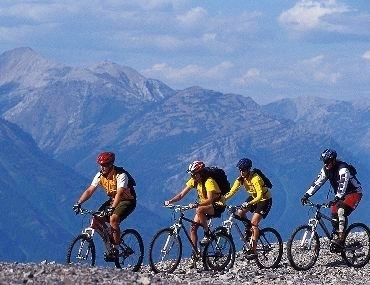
267, 50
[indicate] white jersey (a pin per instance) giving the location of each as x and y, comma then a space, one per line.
122, 180
340, 178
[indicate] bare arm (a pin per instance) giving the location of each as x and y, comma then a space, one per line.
211, 197
87, 194
119, 195
178, 196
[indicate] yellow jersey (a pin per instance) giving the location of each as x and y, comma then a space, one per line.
210, 185
253, 184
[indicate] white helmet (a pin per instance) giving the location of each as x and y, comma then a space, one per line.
196, 166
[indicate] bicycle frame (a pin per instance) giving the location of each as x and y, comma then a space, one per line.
319, 219
230, 222
98, 225
303, 246
179, 224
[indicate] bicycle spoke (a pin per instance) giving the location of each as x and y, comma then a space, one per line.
81, 251
165, 251
356, 250
303, 248
219, 253
269, 248
131, 251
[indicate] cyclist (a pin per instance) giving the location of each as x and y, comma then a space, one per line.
347, 190
259, 201
119, 186
210, 201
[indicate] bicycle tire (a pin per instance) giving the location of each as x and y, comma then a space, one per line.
301, 255
219, 253
356, 250
165, 251
81, 251
131, 251
269, 248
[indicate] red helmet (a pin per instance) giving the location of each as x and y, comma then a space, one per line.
196, 166
105, 157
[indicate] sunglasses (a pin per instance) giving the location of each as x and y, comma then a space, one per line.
106, 164
243, 169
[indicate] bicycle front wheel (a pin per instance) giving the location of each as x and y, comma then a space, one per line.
81, 251
219, 253
269, 248
165, 251
303, 248
131, 251
356, 251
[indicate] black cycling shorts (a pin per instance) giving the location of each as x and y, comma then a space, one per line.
262, 207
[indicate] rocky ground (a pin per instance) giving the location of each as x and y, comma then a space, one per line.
329, 269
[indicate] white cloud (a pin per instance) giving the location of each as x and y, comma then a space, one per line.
187, 72
252, 76
318, 69
192, 16
37, 12
309, 14
366, 55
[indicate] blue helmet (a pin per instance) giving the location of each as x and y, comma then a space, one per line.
328, 155
244, 164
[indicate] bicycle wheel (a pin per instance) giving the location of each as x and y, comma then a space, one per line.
131, 251
165, 251
356, 251
269, 248
81, 251
303, 248
219, 253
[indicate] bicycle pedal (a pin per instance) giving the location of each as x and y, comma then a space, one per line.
109, 258
335, 248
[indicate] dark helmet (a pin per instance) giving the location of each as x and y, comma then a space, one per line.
328, 155
105, 157
244, 164
196, 166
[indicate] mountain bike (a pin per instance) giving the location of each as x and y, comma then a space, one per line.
166, 247
303, 246
82, 250
269, 243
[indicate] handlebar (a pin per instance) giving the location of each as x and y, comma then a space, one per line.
317, 205
232, 209
100, 214
178, 208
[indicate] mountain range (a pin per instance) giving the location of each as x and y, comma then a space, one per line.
57, 118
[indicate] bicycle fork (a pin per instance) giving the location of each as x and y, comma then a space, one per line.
83, 254
170, 239
308, 235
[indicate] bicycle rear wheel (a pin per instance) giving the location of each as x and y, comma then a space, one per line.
219, 253
356, 251
131, 251
165, 251
81, 251
303, 248
269, 248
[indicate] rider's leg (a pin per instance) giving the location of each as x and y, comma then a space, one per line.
334, 221
256, 218
193, 231
341, 223
242, 212
122, 211
201, 215
114, 221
